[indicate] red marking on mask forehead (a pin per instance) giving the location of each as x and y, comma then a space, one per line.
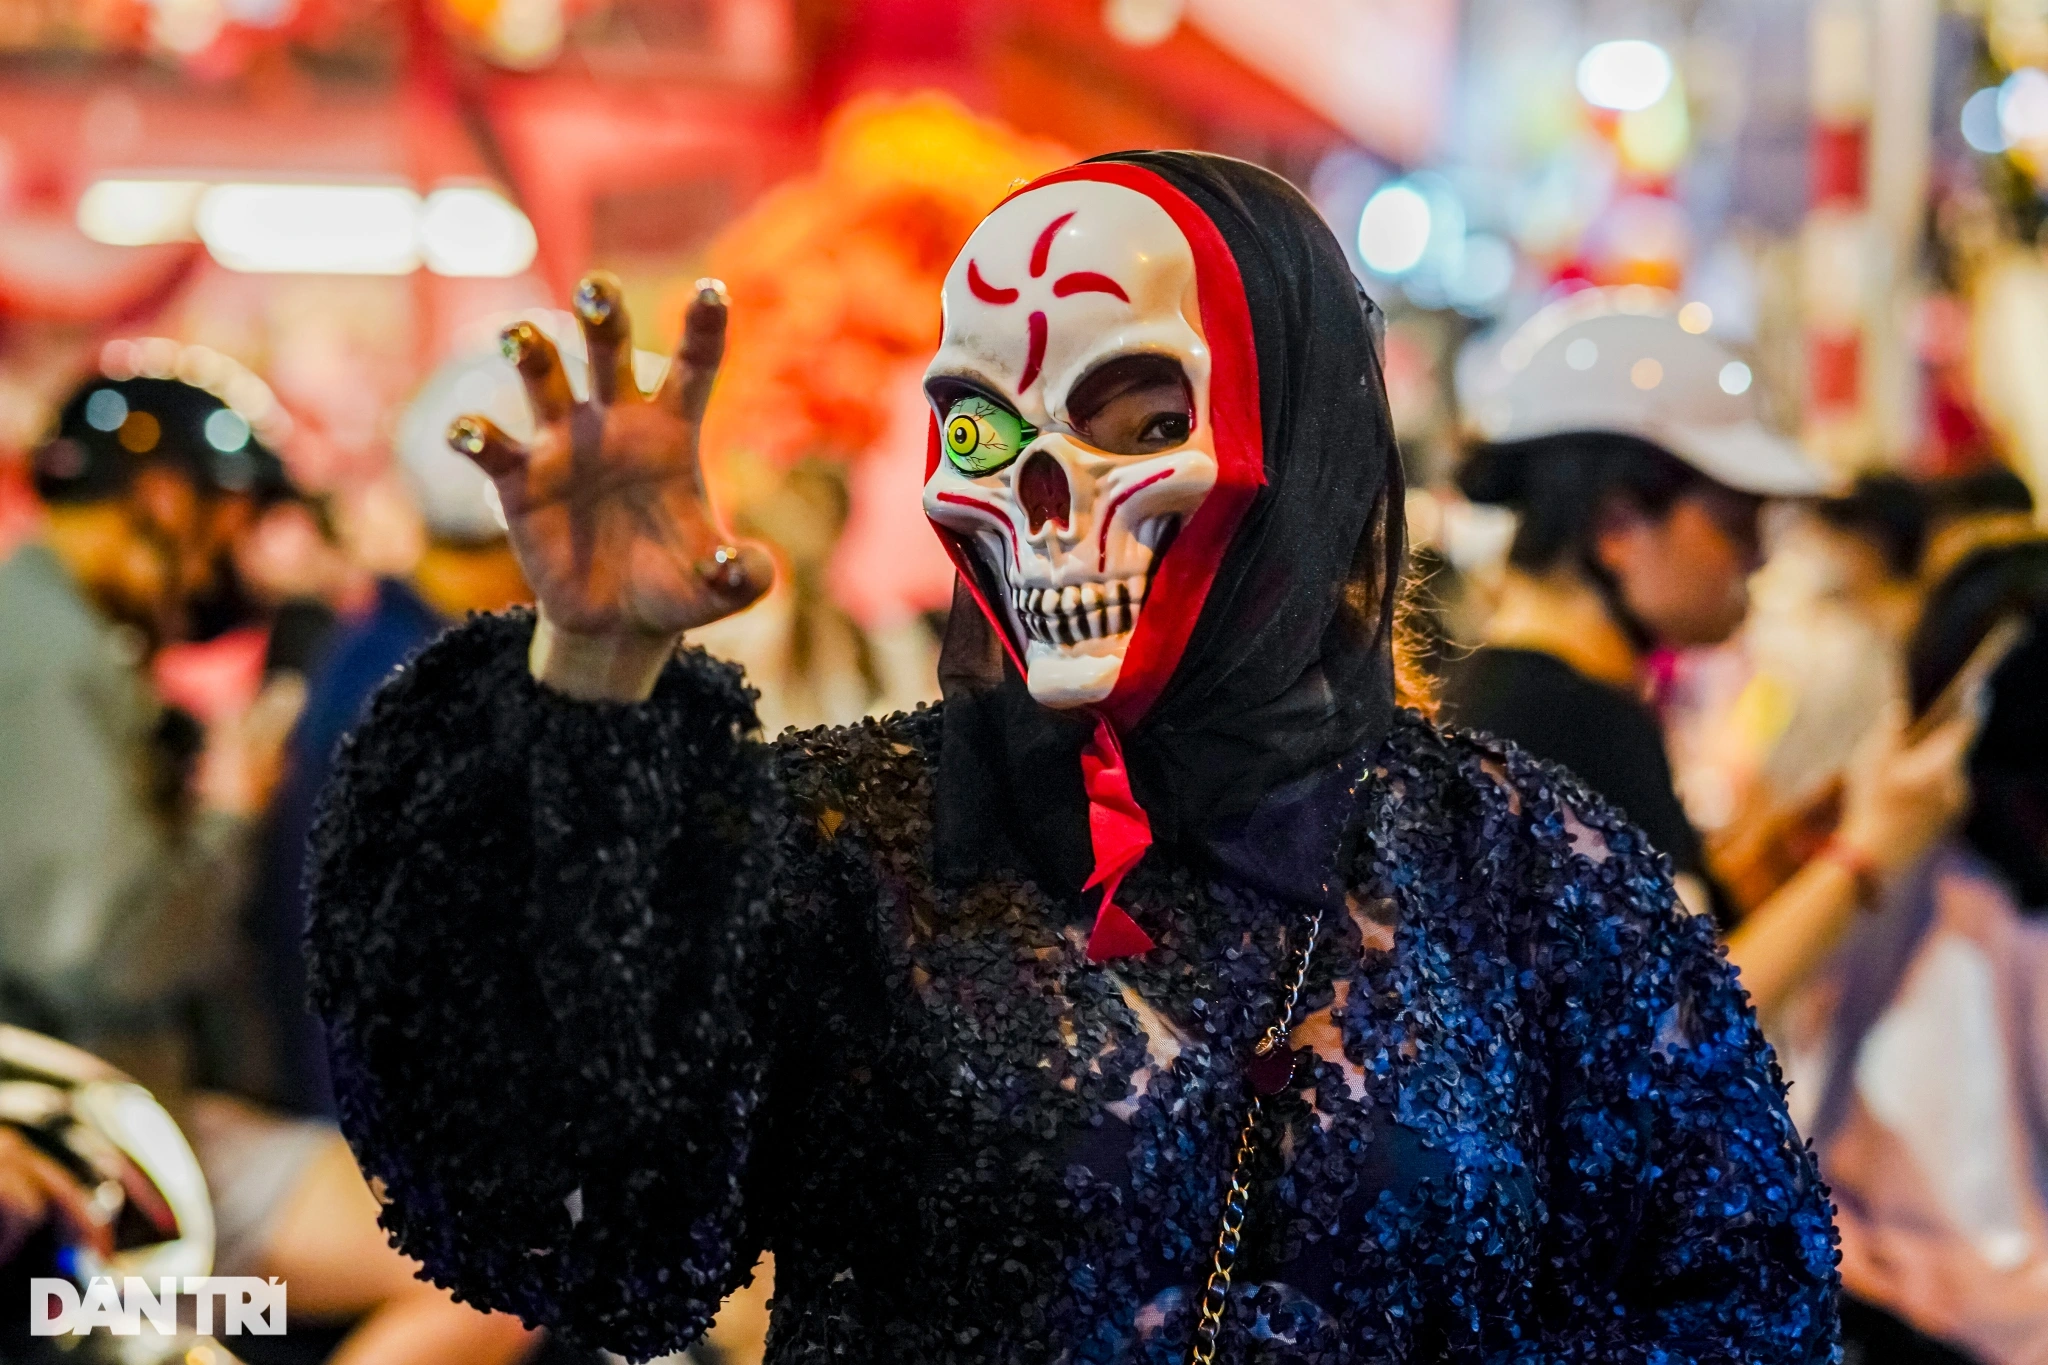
1043, 247
1088, 282
1035, 356
985, 291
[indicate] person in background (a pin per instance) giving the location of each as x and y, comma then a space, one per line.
1824, 650
1632, 452
1919, 1049
462, 564
1879, 531
36, 1192
121, 852
291, 559
1816, 666
125, 843
1967, 512
1638, 483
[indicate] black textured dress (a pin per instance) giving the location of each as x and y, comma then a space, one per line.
620, 996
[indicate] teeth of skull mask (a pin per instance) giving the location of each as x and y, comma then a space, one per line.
1072, 395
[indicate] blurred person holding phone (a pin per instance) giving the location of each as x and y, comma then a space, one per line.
1917, 1049
126, 839
1826, 641
1631, 450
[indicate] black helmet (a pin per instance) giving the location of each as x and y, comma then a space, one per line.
111, 428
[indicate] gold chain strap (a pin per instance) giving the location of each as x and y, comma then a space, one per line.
1216, 1294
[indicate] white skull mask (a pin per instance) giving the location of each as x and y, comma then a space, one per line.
1072, 393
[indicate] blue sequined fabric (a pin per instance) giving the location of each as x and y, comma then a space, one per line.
621, 996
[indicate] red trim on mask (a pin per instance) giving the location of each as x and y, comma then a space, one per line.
1119, 830
962, 500
1181, 581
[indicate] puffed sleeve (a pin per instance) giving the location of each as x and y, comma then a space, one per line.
1687, 1218
536, 941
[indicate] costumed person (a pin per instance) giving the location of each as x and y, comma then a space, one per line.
1166, 993
1920, 1045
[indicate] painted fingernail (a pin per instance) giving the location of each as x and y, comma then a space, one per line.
724, 567
466, 434
594, 301
518, 341
710, 290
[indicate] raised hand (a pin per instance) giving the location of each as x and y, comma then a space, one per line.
1902, 794
606, 505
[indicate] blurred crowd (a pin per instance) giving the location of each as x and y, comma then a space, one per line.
187, 636
1819, 698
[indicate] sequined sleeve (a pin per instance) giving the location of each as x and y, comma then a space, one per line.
1687, 1218
535, 941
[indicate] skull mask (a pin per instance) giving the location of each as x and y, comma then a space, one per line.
1072, 395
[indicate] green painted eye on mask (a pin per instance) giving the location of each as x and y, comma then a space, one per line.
982, 436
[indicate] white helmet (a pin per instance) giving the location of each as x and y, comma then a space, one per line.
1617, 360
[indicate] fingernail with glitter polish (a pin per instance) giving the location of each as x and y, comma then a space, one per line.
517, 341
593, 302
466, 434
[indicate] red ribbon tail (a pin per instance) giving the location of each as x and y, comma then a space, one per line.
1116, 934
1119, 832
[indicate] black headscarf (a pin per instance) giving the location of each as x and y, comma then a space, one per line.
1290, 664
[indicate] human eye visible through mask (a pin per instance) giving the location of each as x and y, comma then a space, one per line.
1133, 405
982, 436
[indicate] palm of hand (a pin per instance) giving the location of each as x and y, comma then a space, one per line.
612, 528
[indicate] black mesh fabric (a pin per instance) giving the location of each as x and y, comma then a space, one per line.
1290, 664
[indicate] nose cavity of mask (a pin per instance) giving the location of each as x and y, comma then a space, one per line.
1042, 490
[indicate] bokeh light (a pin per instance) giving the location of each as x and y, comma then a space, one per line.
2023, 106
312, 229
1624, 75
226, 430
1982, 128
1393, 232
471, 231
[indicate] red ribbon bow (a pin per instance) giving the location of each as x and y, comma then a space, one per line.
1120, 833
